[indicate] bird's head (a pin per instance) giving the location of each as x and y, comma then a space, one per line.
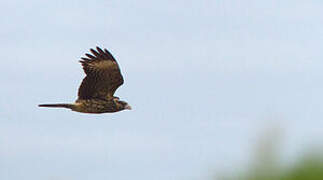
123, 105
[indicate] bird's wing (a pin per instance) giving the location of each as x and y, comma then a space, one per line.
103, 76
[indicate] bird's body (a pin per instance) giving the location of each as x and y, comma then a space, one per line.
96, 106
97, 89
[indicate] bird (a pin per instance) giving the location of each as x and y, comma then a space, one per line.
96, 92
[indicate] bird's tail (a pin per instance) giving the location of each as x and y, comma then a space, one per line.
69, 106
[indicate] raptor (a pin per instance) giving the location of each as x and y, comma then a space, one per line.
96, 93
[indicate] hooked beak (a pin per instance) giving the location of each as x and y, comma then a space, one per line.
127, 107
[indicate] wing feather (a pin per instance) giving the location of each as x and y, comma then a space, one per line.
90, 56
103, 76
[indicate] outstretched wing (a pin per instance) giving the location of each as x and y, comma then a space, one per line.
103, 76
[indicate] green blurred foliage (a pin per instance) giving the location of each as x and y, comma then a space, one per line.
308, 168
267, 162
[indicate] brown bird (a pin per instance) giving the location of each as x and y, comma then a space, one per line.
103, 77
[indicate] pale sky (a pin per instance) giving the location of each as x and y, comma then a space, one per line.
205, 79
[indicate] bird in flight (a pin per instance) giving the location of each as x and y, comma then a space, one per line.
96, 93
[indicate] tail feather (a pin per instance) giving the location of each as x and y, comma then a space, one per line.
69, 106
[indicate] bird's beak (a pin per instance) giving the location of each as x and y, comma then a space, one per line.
127, 107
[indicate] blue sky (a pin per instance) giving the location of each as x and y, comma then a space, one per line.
204, 78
